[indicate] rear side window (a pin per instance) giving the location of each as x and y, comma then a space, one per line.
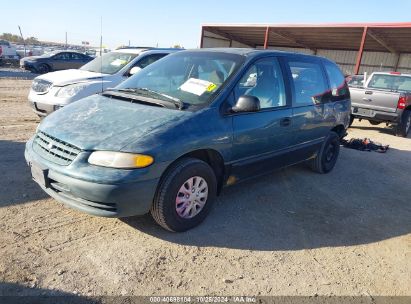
309, 84
149, 59
356, 81
390, 82
76, 56
338, 86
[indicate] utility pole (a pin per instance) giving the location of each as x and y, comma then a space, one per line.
66, 40
24, 42
129, 43
101, 38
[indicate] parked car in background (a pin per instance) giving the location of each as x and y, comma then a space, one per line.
7, 52
91, 52
29, 51
61, 60
168, 139
386, 97
356, 81
55, 90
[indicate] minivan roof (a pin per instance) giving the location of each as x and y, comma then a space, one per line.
249, 52
138, 50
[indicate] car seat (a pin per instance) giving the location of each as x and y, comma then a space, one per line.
267, 88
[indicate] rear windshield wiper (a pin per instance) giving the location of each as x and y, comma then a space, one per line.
150, 93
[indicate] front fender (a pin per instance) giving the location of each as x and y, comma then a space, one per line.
205, 129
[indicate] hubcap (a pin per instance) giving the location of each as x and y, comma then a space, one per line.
192, 197
329, 153
407, 127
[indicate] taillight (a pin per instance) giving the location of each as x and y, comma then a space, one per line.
1, 50
401, 102
30, 53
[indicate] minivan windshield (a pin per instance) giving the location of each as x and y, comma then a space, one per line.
192, 77
109, 63
390, 82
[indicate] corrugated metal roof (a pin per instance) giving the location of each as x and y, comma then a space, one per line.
381, 37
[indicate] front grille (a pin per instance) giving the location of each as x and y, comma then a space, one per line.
40, 85
54, 150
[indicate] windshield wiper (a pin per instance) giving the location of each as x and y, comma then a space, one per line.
132, 97
147, 92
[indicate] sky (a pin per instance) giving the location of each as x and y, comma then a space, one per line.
167, 23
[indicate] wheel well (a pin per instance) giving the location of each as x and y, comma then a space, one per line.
214, 159
340, 130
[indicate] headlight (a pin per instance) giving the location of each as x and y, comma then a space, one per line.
120, 160
70, 90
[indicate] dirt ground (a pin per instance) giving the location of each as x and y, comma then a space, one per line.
293, 232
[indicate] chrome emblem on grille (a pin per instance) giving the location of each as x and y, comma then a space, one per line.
50, 146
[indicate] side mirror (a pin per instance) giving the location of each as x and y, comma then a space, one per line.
246, 103
134, 70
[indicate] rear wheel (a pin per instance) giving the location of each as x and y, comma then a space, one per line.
185, 195
327, 156
404, 127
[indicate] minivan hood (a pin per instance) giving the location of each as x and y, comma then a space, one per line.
103, 123
65, 77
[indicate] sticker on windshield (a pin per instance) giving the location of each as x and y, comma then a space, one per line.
119, 62
198, 86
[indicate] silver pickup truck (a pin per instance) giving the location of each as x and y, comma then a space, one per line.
385, 97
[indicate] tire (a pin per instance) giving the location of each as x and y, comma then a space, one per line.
327, 156
43, 68
404, 127
374, 123
351, 121
168, 206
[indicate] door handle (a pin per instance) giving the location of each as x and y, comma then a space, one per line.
367, 99
285, 122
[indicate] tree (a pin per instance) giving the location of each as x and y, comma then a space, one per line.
17, 39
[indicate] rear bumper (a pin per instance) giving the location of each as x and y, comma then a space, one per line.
99, 199
376, 115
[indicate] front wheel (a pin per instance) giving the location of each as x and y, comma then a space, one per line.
185, 195
404, 127
43, 68
327, 156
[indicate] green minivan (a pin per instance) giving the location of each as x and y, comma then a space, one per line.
169, 138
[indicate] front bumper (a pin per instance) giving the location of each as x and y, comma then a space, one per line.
28, 66
100, 199
376, 115
45, 103
43, 109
